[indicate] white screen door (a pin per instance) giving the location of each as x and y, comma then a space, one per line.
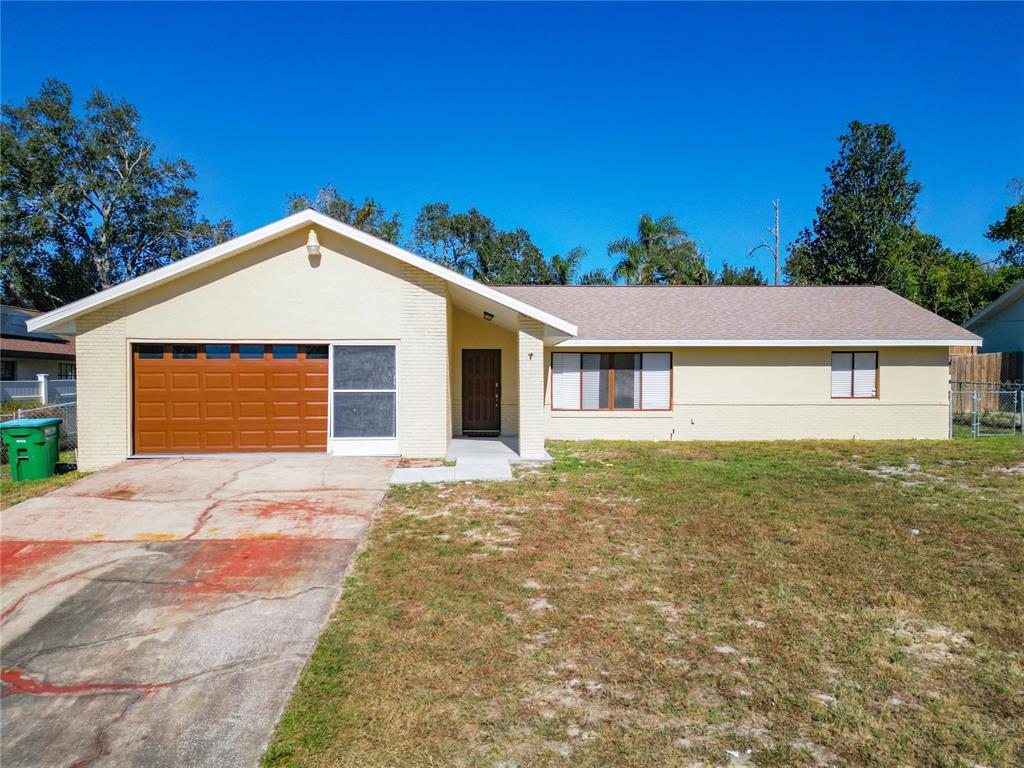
363, 408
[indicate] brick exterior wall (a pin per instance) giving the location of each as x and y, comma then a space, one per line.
103, 386
531, 388
423, 393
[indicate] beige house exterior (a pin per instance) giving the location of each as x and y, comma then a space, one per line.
453, 347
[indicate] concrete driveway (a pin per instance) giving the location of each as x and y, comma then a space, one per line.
159, 612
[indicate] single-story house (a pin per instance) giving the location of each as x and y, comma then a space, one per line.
310, 335
25, 354
1001, 323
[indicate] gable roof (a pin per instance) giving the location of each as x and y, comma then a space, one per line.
1015, 293
743, 316
64, 316
18, 339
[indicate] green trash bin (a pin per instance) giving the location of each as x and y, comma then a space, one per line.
33, 446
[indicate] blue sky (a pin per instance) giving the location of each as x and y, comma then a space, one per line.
568, 120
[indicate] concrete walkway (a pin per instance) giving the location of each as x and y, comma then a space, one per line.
158, 613
476, 458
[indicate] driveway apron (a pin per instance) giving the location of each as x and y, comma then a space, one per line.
159, 612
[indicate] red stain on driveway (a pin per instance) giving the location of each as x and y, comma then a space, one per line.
220, 567
20, 557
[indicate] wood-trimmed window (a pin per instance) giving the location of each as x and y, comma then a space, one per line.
854, 375
65, 371
611, 381
9, 370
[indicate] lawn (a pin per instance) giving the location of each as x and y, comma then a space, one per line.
664, 604
13, 493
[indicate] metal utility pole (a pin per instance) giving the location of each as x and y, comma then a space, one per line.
773, 249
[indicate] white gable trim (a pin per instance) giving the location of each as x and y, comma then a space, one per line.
296, 221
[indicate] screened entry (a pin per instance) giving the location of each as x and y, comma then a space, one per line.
363, 412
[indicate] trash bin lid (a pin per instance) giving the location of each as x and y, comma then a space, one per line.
30, 423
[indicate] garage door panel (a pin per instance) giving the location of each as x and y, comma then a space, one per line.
180, 381
213, 381
151, 410
256, 409
198, 405
220, 440
185, 410
283, 410
156, 381
220, 410
254, 381
284, 381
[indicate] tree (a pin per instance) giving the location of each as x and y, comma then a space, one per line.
866, 213
661, 252
596, 277
450, 239
510, 258
85, 204
734, 276
1010, 229
470, 243
368, 216
565, 269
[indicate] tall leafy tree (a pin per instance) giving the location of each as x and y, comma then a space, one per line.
510, 258
1010, 229
471, 244
735, 276
661, 252
451, 239
369, 216
866, 213
85, 203
565, 270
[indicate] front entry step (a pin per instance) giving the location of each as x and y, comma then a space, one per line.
466, 468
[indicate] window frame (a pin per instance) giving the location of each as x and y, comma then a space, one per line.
13, 364
611, 382
853, 368
362, 446
63, 369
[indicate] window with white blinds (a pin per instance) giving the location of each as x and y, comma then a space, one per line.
611, 381
854, 374
565, 380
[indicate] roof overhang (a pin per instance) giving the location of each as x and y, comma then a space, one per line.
1015, 292
63, 318
834, 343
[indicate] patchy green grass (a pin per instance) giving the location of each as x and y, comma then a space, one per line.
657, 604
12, 493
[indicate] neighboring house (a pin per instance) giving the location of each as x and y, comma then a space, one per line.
309, 335
24, 354
1001, 323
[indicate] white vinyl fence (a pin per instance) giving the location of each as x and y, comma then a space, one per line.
42, 389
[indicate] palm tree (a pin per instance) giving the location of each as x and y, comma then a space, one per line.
661, 252
565, 269
596, 277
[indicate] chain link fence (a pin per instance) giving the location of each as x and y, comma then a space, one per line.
982, 409
68, 429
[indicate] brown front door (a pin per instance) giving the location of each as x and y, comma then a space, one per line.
481, 390
223, 398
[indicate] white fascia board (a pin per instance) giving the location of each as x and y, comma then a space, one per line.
264, 234
975, 342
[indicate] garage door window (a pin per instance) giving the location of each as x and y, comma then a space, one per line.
363, 398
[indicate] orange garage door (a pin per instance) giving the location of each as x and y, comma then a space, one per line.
222, 398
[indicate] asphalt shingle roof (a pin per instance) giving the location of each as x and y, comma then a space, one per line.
730, 313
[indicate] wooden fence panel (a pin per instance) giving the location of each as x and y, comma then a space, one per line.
984, 373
